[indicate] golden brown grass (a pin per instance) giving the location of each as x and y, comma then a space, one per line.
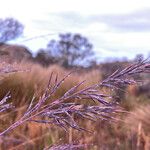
138, 121
34, 136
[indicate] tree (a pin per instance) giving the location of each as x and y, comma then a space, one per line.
70, 49
139, 58
43, 58
10, 29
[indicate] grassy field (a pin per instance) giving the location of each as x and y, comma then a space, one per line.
130, 131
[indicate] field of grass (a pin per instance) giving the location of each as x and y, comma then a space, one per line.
130, 130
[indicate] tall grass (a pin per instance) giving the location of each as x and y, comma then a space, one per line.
62, 103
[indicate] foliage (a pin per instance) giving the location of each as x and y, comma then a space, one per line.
62, 111
66, 147
10, 29
3, 105
6, 69
44, 58
70, 49
138, 121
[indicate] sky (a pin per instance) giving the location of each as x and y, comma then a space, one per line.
116, 28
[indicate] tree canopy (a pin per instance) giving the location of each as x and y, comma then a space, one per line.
70, 49
10, 29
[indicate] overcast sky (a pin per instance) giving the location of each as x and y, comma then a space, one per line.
117, 28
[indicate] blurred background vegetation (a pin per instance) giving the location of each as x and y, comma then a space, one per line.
69, 51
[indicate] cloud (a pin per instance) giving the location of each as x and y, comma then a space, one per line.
138, 21
113, 35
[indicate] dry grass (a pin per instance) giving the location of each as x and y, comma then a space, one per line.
23, 86
104, 135
138, 121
